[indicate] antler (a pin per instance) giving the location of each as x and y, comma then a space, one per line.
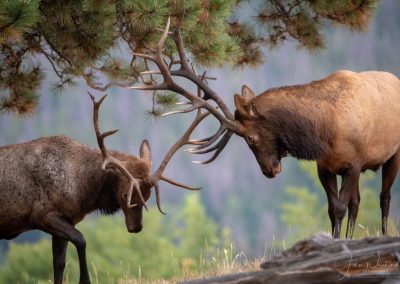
226, 118
111, 161
184, 140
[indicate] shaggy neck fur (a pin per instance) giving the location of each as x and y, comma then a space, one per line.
297, 134
106, 201
299, 118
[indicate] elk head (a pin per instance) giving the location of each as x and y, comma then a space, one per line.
134, 175
133, 186
140, 169
258, 137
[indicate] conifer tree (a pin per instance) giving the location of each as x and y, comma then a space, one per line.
94, 39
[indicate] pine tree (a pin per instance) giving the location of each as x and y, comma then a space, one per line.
95, 39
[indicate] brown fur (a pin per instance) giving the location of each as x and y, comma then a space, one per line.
348, 122
51, 183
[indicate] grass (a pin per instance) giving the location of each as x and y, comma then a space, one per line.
226, 261
208, 263
223, 263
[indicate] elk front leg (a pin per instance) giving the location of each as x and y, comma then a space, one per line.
352, 214
348, 190
59, 247
329, 183
389, 173
59, 228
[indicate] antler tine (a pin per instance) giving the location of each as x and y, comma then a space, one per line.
183, 103
150, 72
158, 175
220, 146
164, 36
178, 184
158, 199
181, 142
109, 160
100, 137
199, 141
190, 109
204, 151
221, 130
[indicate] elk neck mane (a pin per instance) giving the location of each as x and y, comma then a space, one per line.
300, 118
106, 201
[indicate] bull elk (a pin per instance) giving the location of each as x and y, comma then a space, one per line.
51, 183
347, 122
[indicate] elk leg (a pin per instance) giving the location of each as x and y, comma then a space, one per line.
59, 250
58, 227
352, 214
348, 190
389, 173
329, 183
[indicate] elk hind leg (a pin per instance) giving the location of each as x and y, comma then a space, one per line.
389, 173
329, 183
59, 247
348, 190
352, 214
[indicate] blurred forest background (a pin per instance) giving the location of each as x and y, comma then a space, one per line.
238, 209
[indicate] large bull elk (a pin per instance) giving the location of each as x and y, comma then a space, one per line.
51, 183
347, 122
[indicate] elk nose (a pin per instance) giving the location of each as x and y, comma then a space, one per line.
277, 170
135, 229
268, 174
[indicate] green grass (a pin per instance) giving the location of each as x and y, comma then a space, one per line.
225, 262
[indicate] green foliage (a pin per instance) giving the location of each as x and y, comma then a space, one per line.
198, 228
16, 18
26, 262
165, 248
81, 39
303, 213
354, 14
302, 20
72, 29
19, 78
306, 211
139, 22
163, 101
167, 100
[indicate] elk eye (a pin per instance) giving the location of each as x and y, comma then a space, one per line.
124, 195
251, 139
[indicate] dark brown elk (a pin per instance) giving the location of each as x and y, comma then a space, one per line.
347, 122
51, 183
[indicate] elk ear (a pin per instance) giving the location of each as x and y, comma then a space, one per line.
243, 106
247, 93
145, 152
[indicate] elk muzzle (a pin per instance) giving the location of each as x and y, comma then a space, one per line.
136, 228
134, 219
272, 168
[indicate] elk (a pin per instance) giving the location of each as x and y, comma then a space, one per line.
51, 183
347, 122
